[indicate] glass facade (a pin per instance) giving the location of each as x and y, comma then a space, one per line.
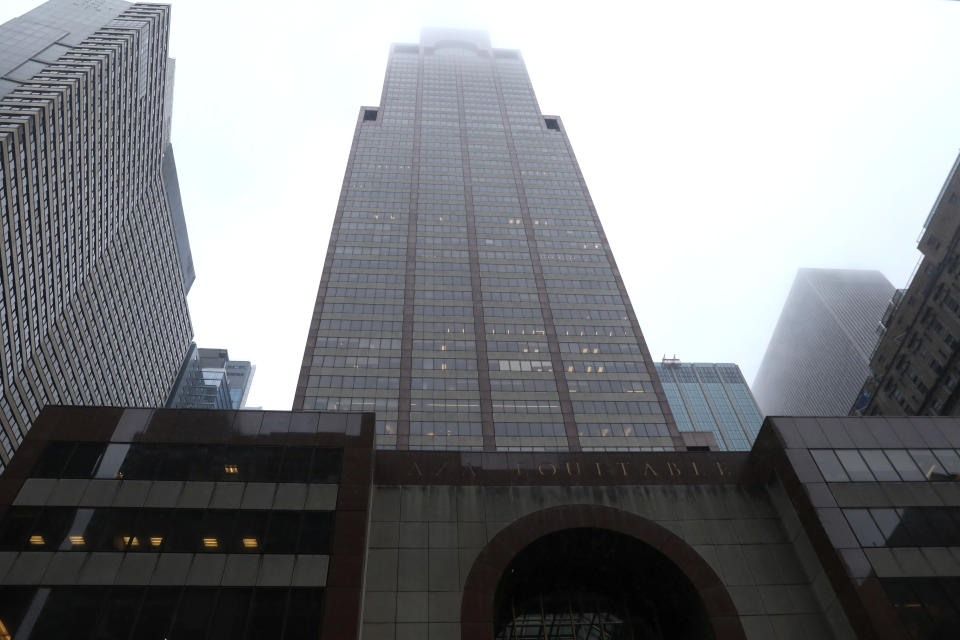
819, 353
93, 307
210, 380
714, 398
469, 295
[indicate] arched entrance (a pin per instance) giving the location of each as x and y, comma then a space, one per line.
595, 583
582, 571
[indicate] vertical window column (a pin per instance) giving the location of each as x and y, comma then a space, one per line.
410, 273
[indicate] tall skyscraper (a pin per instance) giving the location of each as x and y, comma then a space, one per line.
209, 379
711, 399
93, 306
915, 369
818, 355
469, 295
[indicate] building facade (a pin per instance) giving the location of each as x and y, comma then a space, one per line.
469, 295
711, 399
209, 379
818, 355
915, 369
184, 524
135, 523
92, 302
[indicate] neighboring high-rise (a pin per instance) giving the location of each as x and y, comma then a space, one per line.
818, 356
915, 369
469, 295
209, 379
711, 398
93, 306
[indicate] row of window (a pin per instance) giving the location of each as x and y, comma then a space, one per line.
629, 407
188, 462
121, 613
354, 382
593, 366
166, 530
622, 430
380, 326
440, 428
610, 386
929, 608
906, 527
356, 362
357, 343
886, 465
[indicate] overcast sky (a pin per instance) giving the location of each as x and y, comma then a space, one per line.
725, 145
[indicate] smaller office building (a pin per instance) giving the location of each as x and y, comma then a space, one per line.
131, 523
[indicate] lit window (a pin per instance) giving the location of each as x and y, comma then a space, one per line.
231, 468
37, 540
250, 543
77, 540
156, 541
211, 543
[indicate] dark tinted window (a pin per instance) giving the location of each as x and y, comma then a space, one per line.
185, 532
267, 612
84, 460
189, 462
296, 465
14, 603
157, 613
196, 607
120, 614
53, 460
326, 466
230, 616
249, 532
70, 613
316, 532
304, 614
282, 533
17, 524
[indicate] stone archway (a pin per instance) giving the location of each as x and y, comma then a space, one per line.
479, 605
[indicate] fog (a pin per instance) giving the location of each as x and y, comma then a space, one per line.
724, 144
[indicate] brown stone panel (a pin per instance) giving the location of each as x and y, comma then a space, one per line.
477, 605
410, 271
299, 397
479, 326
547, 468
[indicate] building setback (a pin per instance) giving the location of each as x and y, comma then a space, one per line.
469, 295
93, 307
915, 369
711, 398
818, 355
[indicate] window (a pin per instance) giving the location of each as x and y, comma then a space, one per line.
552, 123
369, 115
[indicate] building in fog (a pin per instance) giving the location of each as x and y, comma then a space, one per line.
209, 379
93, 307
711, 398
469, 295
915, 369
818, 355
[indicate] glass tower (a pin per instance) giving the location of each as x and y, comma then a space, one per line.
469, 295
707, 397
819, 353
